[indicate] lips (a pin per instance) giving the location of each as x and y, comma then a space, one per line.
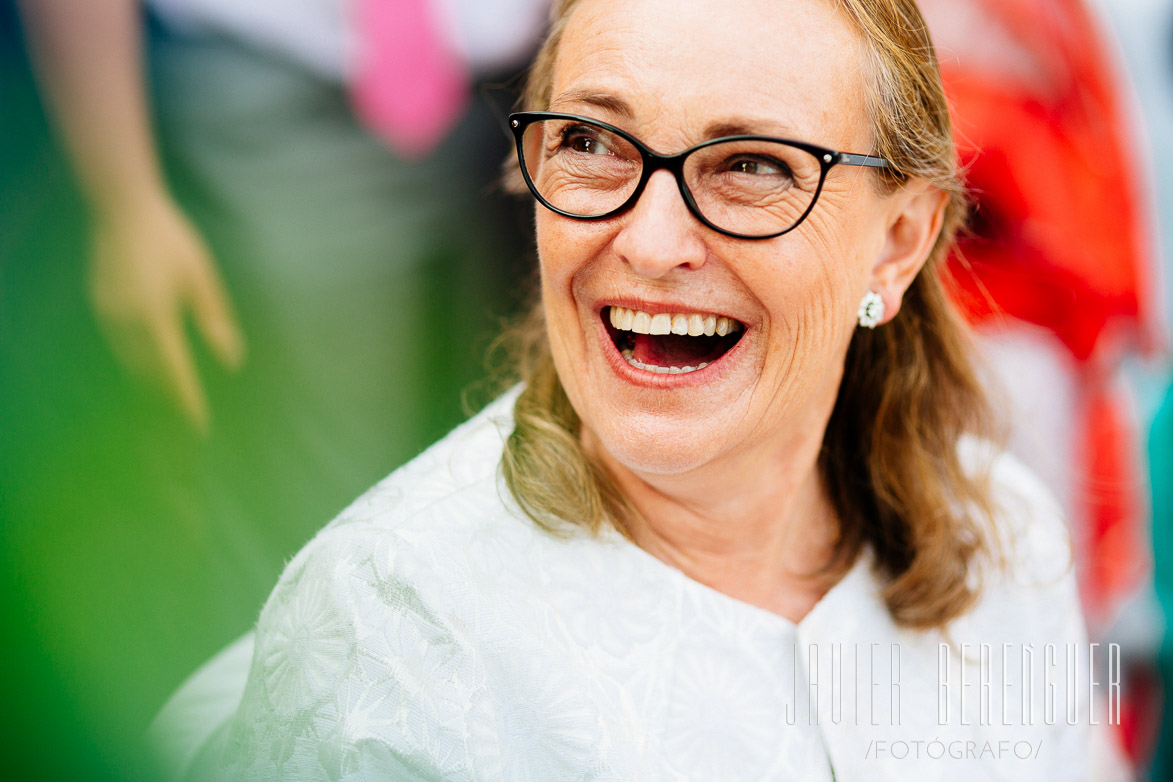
671, 343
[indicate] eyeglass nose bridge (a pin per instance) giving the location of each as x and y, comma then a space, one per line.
674, 164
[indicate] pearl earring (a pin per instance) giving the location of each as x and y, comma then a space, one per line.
871, 310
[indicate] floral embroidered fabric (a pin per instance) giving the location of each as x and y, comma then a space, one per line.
432, 633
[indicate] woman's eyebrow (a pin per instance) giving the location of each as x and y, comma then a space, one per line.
749, 128
620, 108
602, 100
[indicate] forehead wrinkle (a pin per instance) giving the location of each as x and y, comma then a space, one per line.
643, 85
578, 50
596, 98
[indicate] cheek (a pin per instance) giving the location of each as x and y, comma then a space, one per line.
843, 267
562, 327
811, 296
564, 255
557, 260
810, 299
565, 247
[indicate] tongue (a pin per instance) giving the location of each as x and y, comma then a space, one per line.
674, 350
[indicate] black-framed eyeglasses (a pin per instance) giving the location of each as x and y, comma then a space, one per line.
748, 187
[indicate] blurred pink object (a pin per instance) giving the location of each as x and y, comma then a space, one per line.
408, 84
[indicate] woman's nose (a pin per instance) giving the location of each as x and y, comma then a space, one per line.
659, 233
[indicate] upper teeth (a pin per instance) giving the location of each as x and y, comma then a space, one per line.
693, 324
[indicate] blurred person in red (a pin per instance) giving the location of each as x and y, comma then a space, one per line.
1058, 270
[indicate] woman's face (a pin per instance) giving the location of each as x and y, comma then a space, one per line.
675, 74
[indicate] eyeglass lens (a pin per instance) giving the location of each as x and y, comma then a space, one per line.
747, 187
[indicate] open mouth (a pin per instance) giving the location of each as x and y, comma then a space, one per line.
673, 343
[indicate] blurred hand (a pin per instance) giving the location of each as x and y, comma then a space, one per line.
149, 269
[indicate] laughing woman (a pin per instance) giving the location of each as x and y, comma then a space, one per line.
740, 520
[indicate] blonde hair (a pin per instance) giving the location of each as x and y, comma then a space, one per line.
890, 456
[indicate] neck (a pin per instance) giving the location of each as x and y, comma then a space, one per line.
757, 527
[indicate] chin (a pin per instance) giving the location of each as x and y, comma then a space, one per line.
652, 443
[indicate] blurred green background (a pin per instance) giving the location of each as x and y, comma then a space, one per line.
135, 548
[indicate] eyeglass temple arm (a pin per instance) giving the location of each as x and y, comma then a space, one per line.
871, 161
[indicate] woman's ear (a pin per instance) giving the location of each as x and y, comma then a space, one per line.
915, 219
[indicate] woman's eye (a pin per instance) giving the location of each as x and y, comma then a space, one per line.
585, 141
759, 167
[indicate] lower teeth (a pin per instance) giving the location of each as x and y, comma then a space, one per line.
629, 355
